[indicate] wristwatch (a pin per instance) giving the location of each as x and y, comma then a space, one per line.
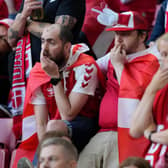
150, 135
55, 81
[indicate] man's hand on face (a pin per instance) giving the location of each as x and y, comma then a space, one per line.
118, 54
160, 79
50, 67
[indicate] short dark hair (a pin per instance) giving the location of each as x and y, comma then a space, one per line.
135, 161
65, 34
141, 32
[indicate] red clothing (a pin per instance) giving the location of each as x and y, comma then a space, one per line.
95, 36
109, 104
161, 105
3, 10
92, 106
135, 77
17, 4
142, 6
160, 112
38, 78
90, 23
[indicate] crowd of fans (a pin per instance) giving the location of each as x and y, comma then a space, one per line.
85, 83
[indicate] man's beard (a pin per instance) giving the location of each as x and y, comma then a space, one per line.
60, 60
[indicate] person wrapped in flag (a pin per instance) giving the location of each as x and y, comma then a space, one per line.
129, 67
60, 94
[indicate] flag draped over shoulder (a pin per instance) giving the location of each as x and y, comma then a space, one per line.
135, 77
38, 78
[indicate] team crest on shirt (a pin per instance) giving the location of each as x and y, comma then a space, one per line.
50, 92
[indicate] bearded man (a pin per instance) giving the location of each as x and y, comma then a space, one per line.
61, 87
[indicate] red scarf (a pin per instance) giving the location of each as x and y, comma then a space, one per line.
21, 70
22, 66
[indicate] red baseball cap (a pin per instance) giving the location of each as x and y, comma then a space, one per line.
6, 22
130, 20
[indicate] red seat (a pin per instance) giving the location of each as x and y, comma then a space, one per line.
7, 136
7, 141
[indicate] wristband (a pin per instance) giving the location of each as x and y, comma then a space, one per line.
55, 81
150, 135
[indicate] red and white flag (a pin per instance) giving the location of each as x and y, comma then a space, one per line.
99, 39
134, 80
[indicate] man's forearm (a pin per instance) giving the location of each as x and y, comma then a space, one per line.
62, 102
66, 20
143, 116
41, 115
16, 30
36, 28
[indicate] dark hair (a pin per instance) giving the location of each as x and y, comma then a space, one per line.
135, 161
65, 34
142, 32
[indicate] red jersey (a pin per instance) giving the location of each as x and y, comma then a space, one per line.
160, 112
